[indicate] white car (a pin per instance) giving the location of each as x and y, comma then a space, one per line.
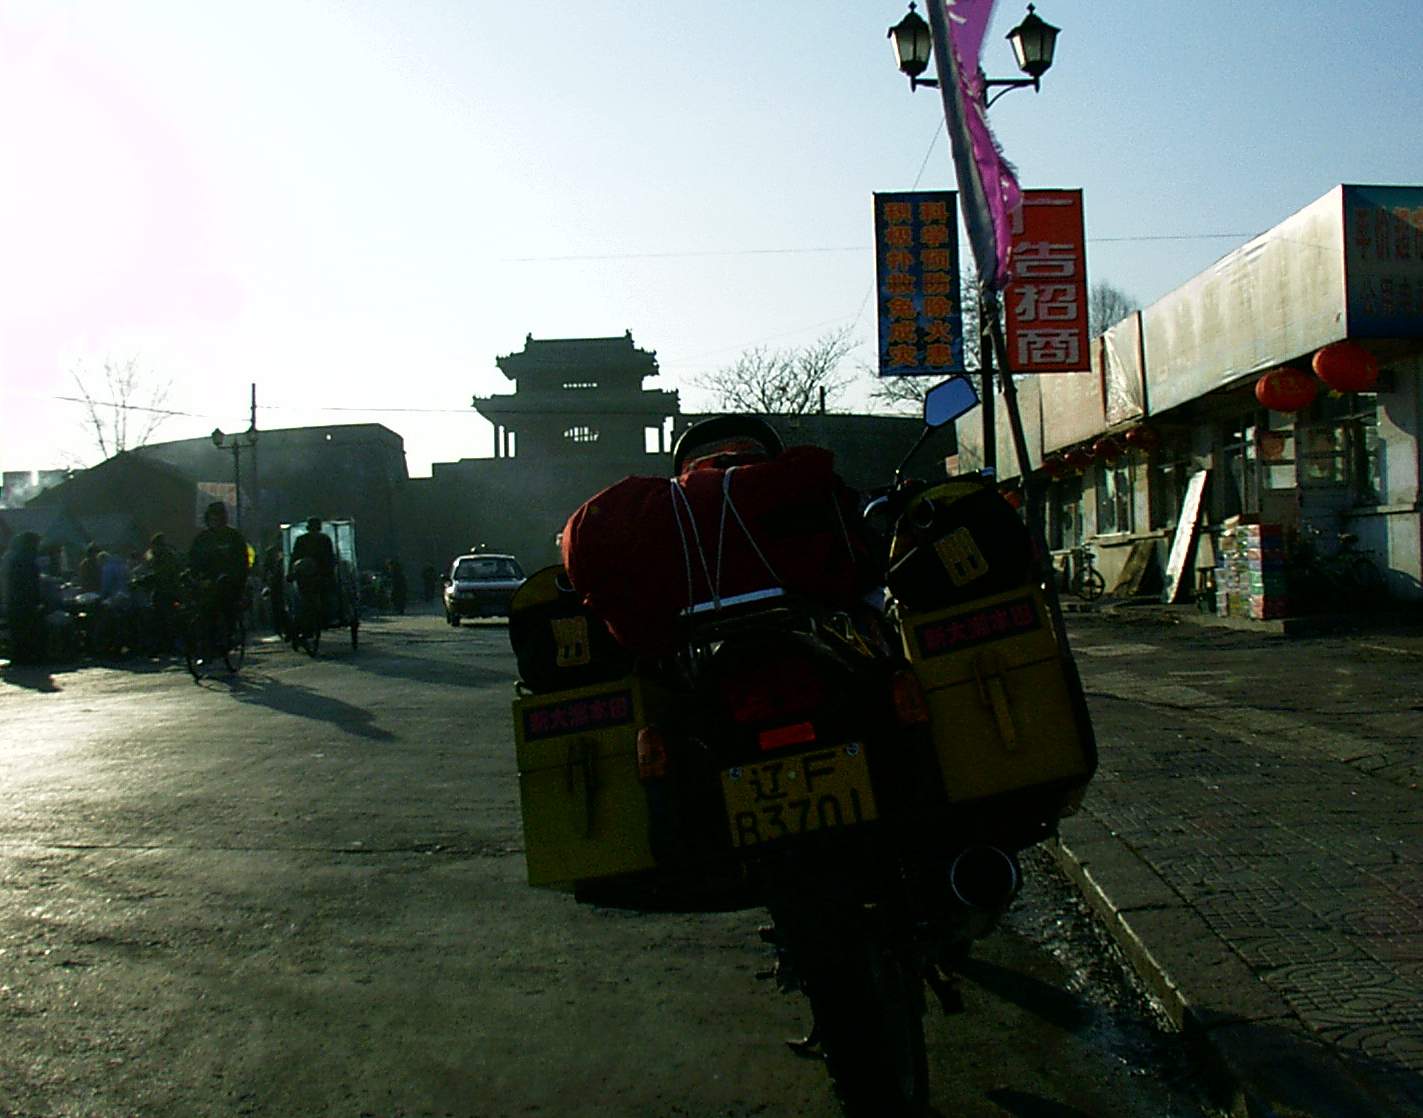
481, 585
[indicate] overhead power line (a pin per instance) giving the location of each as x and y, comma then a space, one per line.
694, 253
130, 407
684, 254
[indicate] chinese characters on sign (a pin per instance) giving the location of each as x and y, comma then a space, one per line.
578, 715
1011, 619
1383, 227
917, 273
1046, 304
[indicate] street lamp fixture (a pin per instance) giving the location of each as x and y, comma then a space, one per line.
913, 44
1033, 42
235, 443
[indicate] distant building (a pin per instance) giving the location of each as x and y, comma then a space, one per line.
122, 501
580, 420
580, 399
345, 471
18, 486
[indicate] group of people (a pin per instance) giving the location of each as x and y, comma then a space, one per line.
41, 606
52, 616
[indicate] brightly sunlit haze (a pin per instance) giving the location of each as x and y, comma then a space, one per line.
359, 206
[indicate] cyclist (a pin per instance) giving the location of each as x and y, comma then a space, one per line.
218, 561
315, 545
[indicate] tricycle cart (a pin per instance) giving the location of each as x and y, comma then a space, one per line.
343, 607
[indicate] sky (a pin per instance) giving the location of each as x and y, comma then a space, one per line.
358, 206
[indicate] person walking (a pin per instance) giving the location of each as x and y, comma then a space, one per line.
24, 599
397, 584
162, 576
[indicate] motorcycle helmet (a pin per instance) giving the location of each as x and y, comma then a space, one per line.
728, 439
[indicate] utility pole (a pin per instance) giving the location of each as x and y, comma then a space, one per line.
987, 322
256, 502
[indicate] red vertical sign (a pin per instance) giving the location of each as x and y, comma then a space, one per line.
1046, 304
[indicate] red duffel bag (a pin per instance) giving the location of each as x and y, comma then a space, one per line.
645, 549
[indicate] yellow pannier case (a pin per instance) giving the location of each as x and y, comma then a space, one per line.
1004, 711
585, 811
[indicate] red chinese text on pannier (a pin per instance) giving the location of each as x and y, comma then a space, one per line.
644, 549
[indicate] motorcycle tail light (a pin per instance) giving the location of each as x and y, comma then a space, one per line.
775, 690
651, 754
911, 708
782, 736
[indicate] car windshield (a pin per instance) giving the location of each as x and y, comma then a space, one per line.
483, 570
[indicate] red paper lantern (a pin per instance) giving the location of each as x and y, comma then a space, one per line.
1014, 497
1143, 438
1055, 467
1286, 389
1106, 449
1079, 457
1346, 367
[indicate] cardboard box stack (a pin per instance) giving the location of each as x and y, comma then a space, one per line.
1250, 580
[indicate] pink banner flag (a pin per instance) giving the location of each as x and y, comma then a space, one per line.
987, 182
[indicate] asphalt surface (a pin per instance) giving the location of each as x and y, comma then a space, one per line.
1253, 842
301, 892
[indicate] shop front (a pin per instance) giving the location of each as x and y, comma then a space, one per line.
1187, 423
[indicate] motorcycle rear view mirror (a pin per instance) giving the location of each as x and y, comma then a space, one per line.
943, 404
948, 400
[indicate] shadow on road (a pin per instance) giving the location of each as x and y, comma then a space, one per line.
1054, 1005
1021, 1104
425, 669
263, 690
32, 677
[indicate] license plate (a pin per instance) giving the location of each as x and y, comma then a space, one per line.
795, 795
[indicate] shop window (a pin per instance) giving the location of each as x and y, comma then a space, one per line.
1166, 476
1275, 451
1114, 496
1239, 490
1064, 507
1340, 447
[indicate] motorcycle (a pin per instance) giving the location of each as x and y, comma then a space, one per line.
824, 763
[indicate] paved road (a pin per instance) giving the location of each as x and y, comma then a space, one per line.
301, 892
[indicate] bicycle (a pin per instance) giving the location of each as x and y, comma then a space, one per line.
1085, 581
1348, 576
213, 629
307, 619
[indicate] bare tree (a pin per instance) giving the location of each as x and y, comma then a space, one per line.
783, 381
123, 407
900, 392
1106, 306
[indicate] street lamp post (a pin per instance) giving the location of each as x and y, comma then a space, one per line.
1034, 42
236, 443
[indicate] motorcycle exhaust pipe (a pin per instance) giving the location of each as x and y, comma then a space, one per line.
984, 880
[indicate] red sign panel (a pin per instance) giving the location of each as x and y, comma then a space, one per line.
1046, 304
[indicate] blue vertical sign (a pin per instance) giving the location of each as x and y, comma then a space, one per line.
1383, 254
917, 279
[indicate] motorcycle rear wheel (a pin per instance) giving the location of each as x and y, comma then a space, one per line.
869, 1017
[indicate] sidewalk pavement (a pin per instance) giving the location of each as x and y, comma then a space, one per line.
1265, 880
